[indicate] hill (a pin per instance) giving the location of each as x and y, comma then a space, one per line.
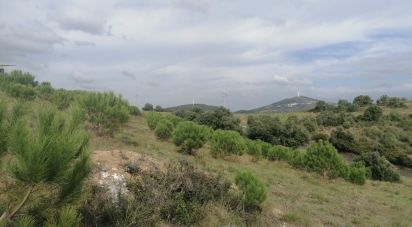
190, 107
295, 104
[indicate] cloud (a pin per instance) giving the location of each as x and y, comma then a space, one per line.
282, 80
128, 74
258, 51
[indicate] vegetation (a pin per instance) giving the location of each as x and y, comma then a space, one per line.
220, 118
164, 129
273, 130
148, 107
190, 136
225, 142
380, 168
44, 160
254, 192
362, 100
54, 154
105, 112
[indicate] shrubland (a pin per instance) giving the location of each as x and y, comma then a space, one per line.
45, 161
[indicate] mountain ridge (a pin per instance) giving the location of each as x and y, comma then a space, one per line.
294, 104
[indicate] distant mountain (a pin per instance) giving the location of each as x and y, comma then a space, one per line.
295, 104
190, 107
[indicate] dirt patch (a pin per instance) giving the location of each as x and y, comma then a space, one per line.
113, 168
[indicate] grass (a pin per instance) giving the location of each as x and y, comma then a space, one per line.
294, 197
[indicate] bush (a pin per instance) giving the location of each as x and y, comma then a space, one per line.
105, 112
254, 192
153, 119
328, 119
62, 98
380, 168
164, 129
190, 136
253, 147
148, 107
279, 152
392, 102
158, 108
322, 106
177, 197
357, 173
322, 157
134, 110
25, 92
272, 130
225, 142
54, 153
372, 113
320, 136
343, 140
363, 100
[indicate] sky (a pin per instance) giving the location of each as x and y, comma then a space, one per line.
171, 52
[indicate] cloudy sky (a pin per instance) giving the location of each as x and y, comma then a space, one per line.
168, 52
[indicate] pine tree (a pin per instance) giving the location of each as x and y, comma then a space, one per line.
53, 152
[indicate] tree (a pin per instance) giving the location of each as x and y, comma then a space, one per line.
254, 192
220, 118
343, 140
322, 157
322, 106
164, 129
393, 102
54, 153
224, 142
363, 100
106, 112
372, 113
153, 119
190, 136
148, 107
158, 108
381, 169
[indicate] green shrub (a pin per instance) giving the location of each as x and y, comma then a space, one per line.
174, 119
254, 192
25, 92
343, 140
381, 169
357, 173
164, 129
53, 153
322, 157
224, 142
105, 112
134, 110
253, 147
190, 136
62, 99
148, 107
393, 102
279, 152
272, 130
372, 113
320, 136
153, 119
362, 100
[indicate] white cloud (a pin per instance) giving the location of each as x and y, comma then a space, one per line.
196, 47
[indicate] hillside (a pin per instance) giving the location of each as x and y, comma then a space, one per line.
295, 104
138, 177
190, 107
